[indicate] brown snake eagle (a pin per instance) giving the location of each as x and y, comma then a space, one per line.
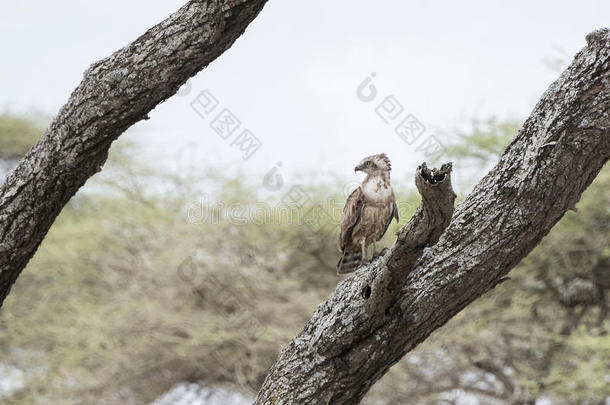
367, 213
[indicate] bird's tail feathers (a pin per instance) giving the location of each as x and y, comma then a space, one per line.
349, 262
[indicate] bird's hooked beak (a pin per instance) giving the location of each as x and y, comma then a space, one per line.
358, 168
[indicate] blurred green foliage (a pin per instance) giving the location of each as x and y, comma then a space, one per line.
17, 136
484, 141
135, 289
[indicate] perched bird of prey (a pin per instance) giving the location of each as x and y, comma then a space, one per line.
367, 213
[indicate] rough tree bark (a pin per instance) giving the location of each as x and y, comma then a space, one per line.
384, 310
387, 308
114, 94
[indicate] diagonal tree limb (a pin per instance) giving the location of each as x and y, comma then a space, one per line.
349, 343
114, 94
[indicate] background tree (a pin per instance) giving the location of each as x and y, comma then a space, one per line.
17, 136
76, 144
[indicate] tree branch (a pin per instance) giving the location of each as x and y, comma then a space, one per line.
114, 94
429, 220
349, 344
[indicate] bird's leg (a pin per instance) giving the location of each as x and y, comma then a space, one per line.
363, 247
374, 250
379, 254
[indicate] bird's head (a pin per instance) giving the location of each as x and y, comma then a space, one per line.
374, 164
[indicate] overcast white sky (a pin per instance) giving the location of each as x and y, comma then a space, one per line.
292, 78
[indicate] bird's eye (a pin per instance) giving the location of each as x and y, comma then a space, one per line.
369, 163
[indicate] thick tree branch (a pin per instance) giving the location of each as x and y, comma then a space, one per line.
429, 221
115, 93
350, 343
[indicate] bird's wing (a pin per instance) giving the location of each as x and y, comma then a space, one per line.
393, 214
351, 215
